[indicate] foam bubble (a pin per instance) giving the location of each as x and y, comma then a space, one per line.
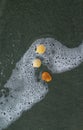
22, 90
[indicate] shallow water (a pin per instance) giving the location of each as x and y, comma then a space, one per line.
23, 22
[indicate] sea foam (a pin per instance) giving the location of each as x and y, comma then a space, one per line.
22, 88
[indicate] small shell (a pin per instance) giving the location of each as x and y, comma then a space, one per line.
40, 49
46, 77
36, 63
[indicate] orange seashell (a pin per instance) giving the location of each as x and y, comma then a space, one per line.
46, 76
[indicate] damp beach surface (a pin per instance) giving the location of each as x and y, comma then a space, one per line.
24, 90
27, 102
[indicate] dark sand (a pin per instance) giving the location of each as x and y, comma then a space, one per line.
22, 22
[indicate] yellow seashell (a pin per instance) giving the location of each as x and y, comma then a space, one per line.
46, 76
40, 49
36, 63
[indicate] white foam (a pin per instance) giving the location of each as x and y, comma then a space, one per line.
24, 90
59, 58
